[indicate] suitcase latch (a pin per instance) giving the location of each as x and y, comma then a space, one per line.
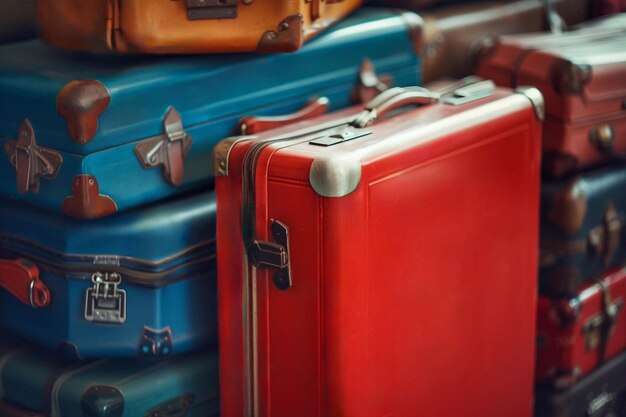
167, 150
274, 255
599, 328
605, 239
30, 160
211, 9
104, 301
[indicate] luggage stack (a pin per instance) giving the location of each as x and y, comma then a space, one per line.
194, 222
108, 304
581, 322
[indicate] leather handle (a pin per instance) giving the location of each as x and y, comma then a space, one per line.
21, 278
252, 125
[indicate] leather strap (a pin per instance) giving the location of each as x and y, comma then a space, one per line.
21, 278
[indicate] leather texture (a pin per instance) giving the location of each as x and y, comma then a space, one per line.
578, 335
116, 284
580, 74
453, 34
40, 381
165, 27
582, 229
17, 20
381, 337
79, 106
602, 393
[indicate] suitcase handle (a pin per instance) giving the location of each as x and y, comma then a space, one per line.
463, 91
252, 125
556, 22
21, 278
603, 137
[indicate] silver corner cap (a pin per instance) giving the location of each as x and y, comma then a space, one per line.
335, 174
536, 98
221, 153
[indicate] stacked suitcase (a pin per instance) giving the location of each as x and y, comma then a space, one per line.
581, 320
184, 231
107, 217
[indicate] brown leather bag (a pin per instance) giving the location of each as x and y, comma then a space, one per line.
17, 20
187, 26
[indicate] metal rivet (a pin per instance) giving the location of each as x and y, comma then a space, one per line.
283, 26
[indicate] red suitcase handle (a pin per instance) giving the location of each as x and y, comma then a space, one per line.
252, 125
21, 278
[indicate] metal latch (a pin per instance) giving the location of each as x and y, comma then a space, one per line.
105, 302
167, 150
211, 9
599, 328
275, 255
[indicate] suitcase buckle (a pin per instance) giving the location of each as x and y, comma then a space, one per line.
274, 255
211, 9
105, 302
167, 150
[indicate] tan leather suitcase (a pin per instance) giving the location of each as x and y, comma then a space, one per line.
452, 34
17, 20
187, 26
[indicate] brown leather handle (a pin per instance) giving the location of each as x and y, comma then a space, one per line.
21, 278
252, 125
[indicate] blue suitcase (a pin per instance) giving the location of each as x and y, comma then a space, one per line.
34, 382
140, 283
91, 135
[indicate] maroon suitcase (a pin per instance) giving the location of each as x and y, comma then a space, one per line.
577, 335
453, 32
602, 7
581, 74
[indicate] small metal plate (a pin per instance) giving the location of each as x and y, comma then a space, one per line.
211, 9
337, 138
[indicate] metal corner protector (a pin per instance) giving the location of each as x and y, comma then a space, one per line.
335, 174
536, 98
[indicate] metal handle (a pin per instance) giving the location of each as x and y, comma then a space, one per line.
556, 22
603, 137
393, 99
252, 125
21, 278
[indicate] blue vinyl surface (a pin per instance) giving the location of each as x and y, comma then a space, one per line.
210, 92
164, 253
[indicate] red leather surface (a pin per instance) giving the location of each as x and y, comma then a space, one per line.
17, 276
563, 351
402, 289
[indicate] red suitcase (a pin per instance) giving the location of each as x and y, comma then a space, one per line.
575, 336
582, 76
395, 262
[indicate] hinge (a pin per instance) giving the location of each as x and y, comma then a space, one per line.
30, 160
274, 255
211, 9
104, 301
168, 150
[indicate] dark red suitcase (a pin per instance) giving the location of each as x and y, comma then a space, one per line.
581, 74
339, 296
452, 33
601, 394
576, 335
602, 7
